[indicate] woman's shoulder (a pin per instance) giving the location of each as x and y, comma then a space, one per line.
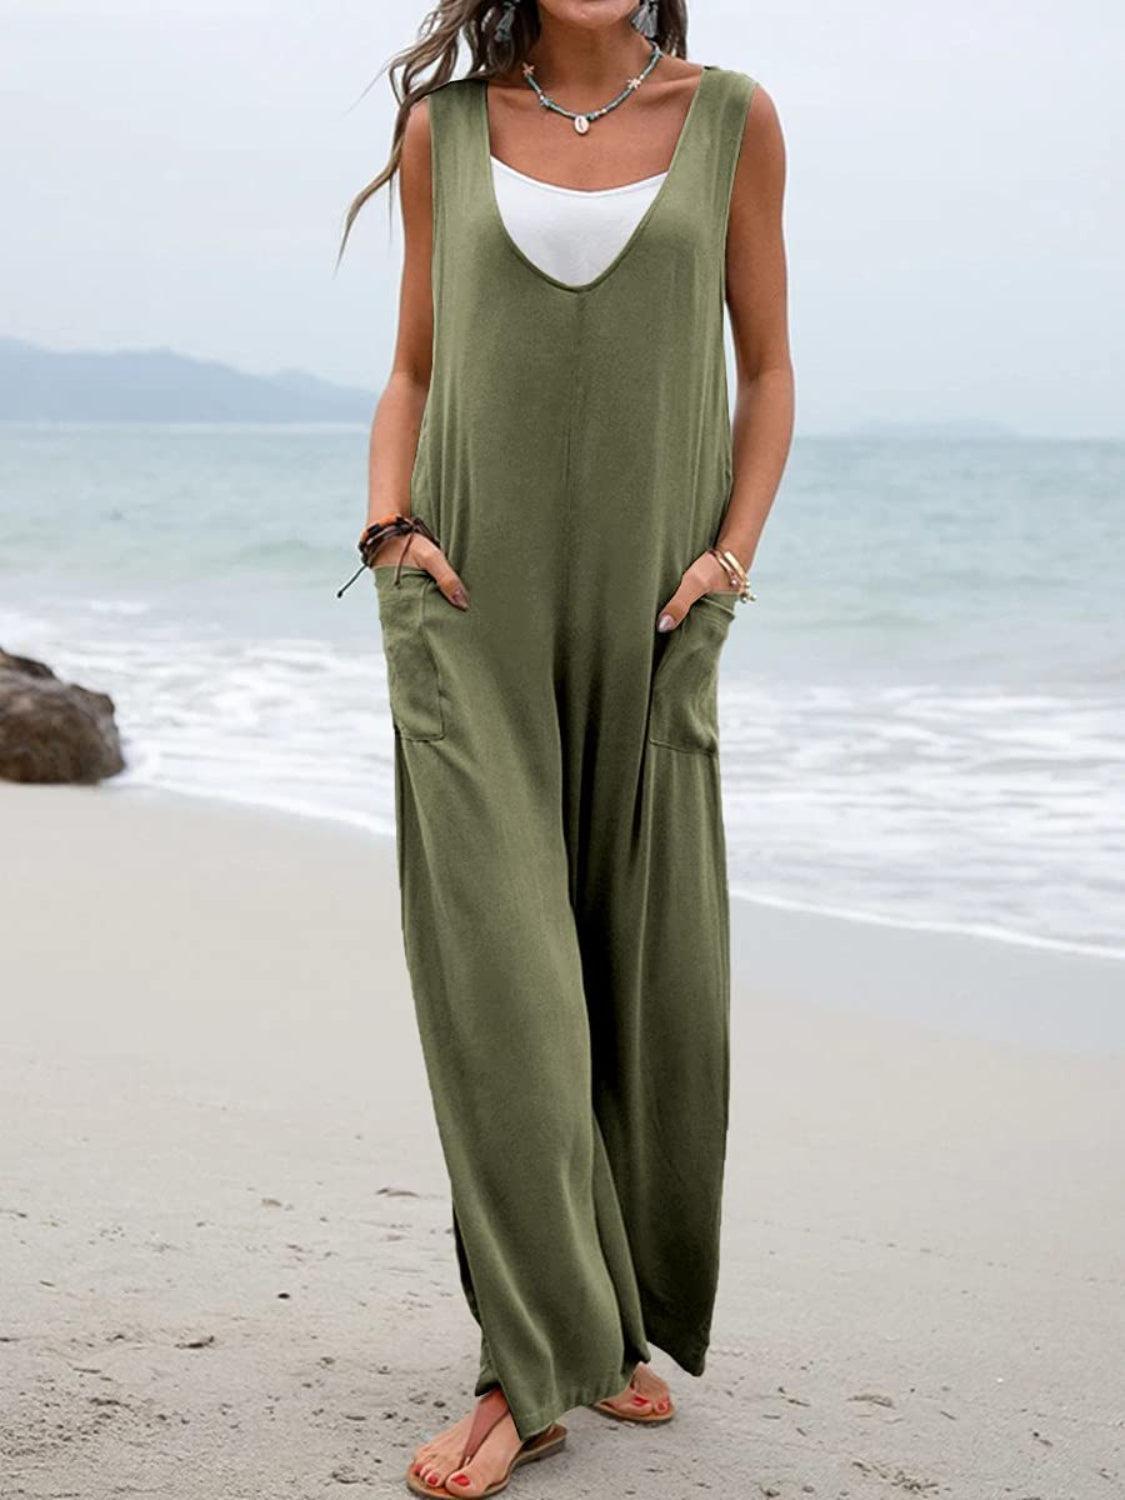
747, 95
438, 101
734, 80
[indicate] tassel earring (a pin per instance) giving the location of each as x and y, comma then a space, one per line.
646, 19
504, 25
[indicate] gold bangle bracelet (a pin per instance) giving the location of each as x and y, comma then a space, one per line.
733, 562
732, 577
736, 573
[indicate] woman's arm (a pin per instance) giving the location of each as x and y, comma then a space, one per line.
762, 426
757, 298
398, 416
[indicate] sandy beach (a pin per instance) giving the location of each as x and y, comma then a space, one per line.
227, 1266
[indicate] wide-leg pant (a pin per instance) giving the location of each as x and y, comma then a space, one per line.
564, 908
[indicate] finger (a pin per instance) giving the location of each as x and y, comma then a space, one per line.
677, 607
436, 564
705, 576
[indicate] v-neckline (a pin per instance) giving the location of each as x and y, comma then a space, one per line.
488, 186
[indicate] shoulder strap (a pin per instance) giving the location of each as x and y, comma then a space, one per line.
733, 97
455, 145
715, 143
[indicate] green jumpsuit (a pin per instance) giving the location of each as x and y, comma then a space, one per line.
559, 822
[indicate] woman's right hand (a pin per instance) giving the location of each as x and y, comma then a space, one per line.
421, 552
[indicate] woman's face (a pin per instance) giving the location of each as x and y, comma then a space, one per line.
594, 15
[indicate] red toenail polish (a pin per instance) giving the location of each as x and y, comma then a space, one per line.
640, 1401
460, 1479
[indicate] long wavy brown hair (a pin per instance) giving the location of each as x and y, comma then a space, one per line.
432, 60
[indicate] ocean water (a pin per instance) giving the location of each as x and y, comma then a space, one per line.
923, 717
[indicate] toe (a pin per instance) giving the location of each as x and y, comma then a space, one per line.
466, 1481
490, 1462
430, 1469
631, 1403
646, 1380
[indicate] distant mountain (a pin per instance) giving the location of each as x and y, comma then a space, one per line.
158, 385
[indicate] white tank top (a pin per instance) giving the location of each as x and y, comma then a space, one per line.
573, 234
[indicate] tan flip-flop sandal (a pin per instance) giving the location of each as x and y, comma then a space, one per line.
651, 1418
490, 1409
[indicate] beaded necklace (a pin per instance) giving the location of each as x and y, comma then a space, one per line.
583, 121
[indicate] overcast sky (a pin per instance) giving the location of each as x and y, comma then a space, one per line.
174, 172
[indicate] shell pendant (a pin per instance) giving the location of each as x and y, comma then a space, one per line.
581, 124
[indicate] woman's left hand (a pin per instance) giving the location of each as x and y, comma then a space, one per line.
706, 575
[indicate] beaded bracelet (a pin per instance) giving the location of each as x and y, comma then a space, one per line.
394, 524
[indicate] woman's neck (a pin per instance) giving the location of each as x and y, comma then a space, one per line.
586, 60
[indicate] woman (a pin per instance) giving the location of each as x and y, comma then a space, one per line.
560, 525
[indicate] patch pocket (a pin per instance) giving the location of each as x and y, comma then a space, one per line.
413, 683
684, 712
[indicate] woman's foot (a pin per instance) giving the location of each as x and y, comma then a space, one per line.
646, 1396
437, 1462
